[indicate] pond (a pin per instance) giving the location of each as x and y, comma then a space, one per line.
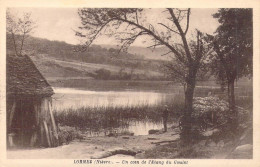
74, 100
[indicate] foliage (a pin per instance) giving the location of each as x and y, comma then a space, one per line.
235, 39
102, 74
210, 111
233, 44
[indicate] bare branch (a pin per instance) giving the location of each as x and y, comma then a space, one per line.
153, 46
153, 35
97, 33
184, 40
169, 28
19, 28
188, 20
166, 53
136, 17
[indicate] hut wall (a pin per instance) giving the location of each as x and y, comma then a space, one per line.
11, 104
43, 130
48, 136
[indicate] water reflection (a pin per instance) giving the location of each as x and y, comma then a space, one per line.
74, 98
118, 120
135, 127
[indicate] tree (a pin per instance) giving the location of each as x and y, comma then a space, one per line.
177, 70
19, 28
233, 44
170, 30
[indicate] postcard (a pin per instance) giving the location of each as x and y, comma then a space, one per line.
129, 83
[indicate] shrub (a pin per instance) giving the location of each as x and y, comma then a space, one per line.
102, 74
210, 111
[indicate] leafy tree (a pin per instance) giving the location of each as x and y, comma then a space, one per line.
233, 44
169, 29
19, 28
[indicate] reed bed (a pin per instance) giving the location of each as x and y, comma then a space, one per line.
89, 118
104, 117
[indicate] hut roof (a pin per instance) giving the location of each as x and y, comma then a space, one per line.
23, 77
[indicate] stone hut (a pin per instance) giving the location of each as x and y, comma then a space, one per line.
30, 121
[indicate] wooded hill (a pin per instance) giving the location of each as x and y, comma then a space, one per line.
59, 59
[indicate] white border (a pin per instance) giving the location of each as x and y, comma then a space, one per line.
255, 4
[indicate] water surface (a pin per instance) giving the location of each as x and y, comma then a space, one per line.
74, 98
70, 98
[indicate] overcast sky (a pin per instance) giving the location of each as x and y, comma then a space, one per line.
58, 23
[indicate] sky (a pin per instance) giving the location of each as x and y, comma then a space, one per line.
59, 23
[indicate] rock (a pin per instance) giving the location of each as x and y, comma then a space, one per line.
115, 152
244, 148
221, 143
152, 138
125, 137
243, 151
153, 131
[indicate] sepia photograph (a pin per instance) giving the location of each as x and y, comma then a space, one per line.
95, 84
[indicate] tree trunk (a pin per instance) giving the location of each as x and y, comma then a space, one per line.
13, 36
22, 44
187, 120
233, 115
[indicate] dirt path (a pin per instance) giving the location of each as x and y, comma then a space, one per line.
96, 147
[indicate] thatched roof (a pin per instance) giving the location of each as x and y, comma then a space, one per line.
23, 77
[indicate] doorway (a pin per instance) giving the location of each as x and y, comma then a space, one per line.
23, 125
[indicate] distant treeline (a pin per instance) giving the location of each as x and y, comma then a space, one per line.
95, 54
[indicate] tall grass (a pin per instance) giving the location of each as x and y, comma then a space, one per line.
88, 118
103, 117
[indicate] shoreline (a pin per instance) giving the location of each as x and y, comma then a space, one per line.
97, 147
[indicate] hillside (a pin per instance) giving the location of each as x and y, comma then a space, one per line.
58, 60
146, 53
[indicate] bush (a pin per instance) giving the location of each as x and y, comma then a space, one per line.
102, 74
210, 111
